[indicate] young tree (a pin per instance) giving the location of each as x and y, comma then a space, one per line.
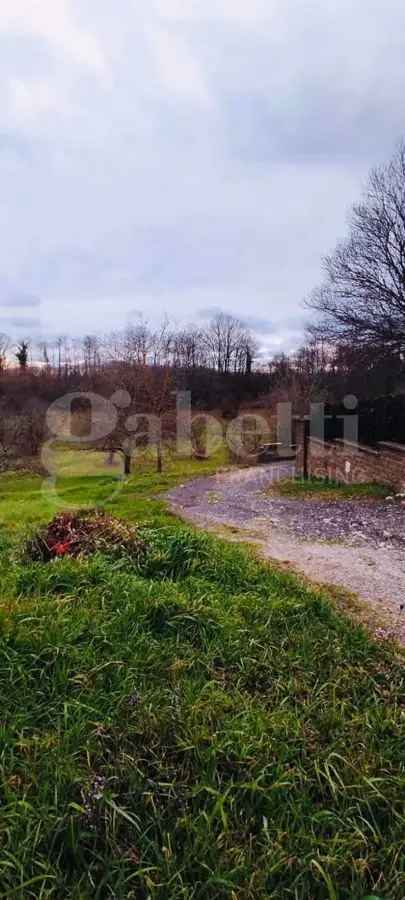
362, 300
158, 394
145, 400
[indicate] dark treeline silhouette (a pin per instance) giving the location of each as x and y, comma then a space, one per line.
347, 379
215, 364
323, 372
318, 371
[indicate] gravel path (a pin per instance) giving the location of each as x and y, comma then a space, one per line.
358, 545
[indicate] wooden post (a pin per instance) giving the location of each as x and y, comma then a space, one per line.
301, 439
306, 431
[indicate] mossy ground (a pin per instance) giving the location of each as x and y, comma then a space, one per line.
324, 489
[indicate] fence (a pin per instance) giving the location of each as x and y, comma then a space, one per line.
349, 463
379, 420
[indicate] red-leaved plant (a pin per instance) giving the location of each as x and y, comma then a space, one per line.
83, 533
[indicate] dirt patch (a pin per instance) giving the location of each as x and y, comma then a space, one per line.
356, 545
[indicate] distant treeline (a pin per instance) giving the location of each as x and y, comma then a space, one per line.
225, 346
220, 365
355, 344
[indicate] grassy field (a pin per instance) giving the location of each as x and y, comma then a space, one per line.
197, 725
322, 489
80, 478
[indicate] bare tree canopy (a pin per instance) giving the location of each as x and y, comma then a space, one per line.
225, 345
22, 354
363, 296
230, 346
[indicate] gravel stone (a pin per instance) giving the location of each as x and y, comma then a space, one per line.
357, 544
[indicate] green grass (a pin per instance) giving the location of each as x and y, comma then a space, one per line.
324, 489
202, 726
80, 478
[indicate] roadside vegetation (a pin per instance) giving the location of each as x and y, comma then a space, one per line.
323, 489
186, 722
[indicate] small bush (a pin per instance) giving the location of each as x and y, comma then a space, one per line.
84, 533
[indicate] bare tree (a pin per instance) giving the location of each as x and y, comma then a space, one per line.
188, 348
145, 415
91, 353
21, 435
363, 297
137, 344
157, 401
22, 353
230, 346
44, 354
4, 347
61, 352
160, 344
246, 350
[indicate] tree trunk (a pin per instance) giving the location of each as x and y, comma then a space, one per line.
159, 460
127, 463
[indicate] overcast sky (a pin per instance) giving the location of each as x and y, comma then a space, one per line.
182, 156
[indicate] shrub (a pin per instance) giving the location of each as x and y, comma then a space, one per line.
83, 533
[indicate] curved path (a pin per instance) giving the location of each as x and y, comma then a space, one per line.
356, 545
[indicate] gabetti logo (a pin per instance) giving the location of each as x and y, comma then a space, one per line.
110, 426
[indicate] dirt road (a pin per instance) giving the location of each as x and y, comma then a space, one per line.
357, 545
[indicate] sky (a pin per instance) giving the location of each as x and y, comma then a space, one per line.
179, 157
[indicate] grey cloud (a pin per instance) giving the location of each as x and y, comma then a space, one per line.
326, 84
209, 312
316, 125
14, 147
126, 195
11, 296
255, 323
33, 55
19, 323
293, 324
264, 326
160, 258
